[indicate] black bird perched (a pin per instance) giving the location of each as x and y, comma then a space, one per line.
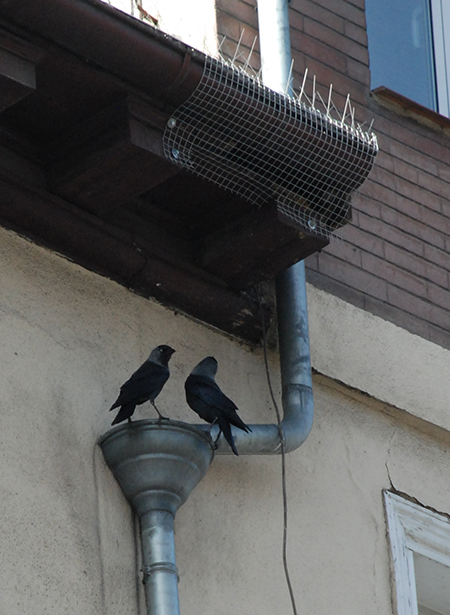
207, 400
145, 384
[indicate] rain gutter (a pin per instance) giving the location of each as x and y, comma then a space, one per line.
146, 58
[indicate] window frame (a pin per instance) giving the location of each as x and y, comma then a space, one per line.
440, 25
413, 529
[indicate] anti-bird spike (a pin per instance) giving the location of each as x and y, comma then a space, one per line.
237, 47
247, 63
329, 99
347, 103
303, 86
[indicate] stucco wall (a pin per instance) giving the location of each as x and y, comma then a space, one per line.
70, 338
67, 537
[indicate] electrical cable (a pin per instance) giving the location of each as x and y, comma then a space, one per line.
283, 456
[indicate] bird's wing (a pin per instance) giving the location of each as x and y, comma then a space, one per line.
145, 383
208, 392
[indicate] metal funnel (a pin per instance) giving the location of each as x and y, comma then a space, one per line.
157, 465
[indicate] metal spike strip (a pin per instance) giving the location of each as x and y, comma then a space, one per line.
263, 146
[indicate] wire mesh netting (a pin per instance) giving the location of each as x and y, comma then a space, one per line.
265, 146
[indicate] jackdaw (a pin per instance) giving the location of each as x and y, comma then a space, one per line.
145, 384
207, 400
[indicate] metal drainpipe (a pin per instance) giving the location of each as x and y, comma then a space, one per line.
157, 466
293, 334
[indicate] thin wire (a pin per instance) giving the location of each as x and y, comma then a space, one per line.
283, 457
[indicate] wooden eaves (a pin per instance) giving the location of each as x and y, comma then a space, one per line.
85, 95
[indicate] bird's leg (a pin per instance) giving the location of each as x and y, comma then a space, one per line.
216, 446
212, 425
161, 417
129, 420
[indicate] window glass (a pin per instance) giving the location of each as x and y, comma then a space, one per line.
401, 48
432, 586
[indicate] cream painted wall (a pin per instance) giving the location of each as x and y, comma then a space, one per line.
338, 549
69, 339
379, 358
67, 537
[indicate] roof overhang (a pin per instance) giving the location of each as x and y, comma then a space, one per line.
85, 99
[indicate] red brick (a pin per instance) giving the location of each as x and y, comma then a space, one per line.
439, 317
319, 13
336, 40
352, 276
325, 75
330, 285
356, 33
312, 262
345, 251
296, 21
417, 141
342, 9
413, 194
366, 241
410, 133
394, 275
379, 192
428, 199
366, 204
240, 10
439, 336
440, 258
404, 129
439, 296
444, 173
397, 316
416, 149
405, 170
436, 221
418, 265
248, 37
389, 215
384, 161
434, 184
228, 47
359, 71
421, 231
228, 26
409, 303
445, 207
390, 233
358, 3
411, 208
318, 51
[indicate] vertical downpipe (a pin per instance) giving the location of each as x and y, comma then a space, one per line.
158, 557
293, 333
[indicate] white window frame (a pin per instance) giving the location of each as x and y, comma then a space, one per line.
440, 18
413, 529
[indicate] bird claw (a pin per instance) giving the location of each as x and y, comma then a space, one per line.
162, 418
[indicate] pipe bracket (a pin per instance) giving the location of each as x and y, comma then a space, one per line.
149, 569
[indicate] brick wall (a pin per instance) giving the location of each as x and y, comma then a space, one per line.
393, 259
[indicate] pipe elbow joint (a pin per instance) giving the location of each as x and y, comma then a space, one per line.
298, 405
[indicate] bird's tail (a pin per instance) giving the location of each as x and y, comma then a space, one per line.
237, 422
225, 428
124, 413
